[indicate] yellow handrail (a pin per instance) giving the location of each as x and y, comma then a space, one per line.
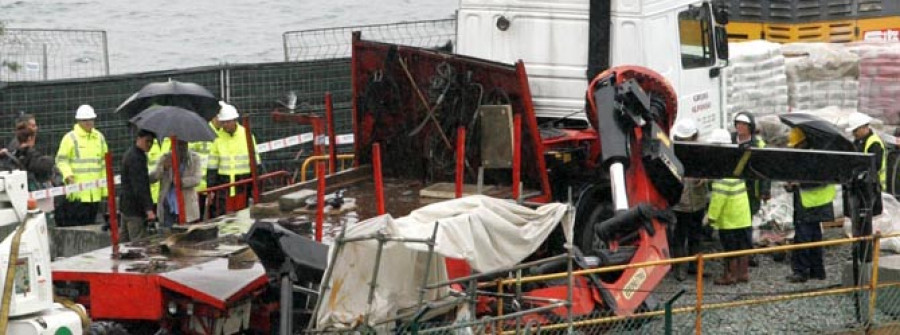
694, 258
310, 159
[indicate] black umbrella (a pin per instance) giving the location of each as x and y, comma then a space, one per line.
821, 134
189, 96
168, 121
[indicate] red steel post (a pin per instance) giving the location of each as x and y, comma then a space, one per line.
332, 143
111, 202
379, 184
460, 159
176, 178
251, 152
517, 155
320, 201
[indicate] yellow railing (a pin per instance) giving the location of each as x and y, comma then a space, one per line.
699, 307
303, 168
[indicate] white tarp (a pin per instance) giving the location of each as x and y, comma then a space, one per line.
489, 233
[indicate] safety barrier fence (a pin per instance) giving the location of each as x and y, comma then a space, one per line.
47, 54
765, 305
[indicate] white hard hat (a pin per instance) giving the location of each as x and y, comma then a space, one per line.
720, 136
684, 128
227, 112
857, 120
742, 118
85, 112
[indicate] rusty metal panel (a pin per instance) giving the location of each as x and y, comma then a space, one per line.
496, 136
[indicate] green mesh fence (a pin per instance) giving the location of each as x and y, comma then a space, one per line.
255, 89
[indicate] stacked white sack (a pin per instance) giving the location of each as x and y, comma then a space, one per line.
879, 80
755, 79
821, 75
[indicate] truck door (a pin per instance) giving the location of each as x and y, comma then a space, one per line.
699, 94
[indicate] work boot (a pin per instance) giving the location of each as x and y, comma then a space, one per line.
680, 272
797, 278
743, 273
728, 271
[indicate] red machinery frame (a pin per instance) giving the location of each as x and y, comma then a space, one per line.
372, 57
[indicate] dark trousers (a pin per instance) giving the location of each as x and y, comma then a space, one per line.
76, 213
808, 262
688, 234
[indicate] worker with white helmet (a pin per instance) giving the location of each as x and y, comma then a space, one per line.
690, 209
229, 158
729, 213
867, 141
81, 159
758, 191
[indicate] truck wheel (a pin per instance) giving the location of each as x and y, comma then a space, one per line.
107, 328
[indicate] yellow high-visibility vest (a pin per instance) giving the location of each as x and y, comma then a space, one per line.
818, 196
882, 169
81, 155
729, 207
228, 154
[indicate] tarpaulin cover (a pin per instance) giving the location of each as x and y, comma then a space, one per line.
489, 233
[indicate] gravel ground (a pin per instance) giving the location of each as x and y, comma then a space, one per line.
825, 314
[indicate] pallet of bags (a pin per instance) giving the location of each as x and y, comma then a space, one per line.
879, 80
755, 79
820, 75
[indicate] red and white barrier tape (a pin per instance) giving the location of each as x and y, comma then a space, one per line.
281, 143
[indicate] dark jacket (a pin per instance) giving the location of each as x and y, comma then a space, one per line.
135, 190
39, 167
822, 213
878, 151
756, 189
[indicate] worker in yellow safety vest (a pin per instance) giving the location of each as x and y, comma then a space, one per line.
812, 206
229, 158
729, 213
866, 141
80, 159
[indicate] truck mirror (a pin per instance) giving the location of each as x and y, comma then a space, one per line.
721, 42
714, 72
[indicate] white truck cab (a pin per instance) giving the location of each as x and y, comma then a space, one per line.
684, 40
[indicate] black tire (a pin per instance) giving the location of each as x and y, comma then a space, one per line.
593, 207
107, 328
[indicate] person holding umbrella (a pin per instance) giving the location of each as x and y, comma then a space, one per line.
136, 204
812, 206
229, 158
177, 195
189, 169
80, 158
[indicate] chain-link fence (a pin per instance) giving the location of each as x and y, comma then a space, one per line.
332, 43
255, 89
41, 54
